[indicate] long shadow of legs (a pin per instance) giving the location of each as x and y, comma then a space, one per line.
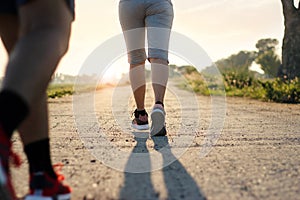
179, 183
138, 185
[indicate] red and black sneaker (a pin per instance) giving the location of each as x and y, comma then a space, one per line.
44, 187
6, 189
140, 121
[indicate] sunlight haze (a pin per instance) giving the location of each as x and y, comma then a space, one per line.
221, 27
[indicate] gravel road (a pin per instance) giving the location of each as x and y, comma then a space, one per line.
255, 157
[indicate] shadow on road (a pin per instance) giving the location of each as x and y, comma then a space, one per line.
178, 182
138, 185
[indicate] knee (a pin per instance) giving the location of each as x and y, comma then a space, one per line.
132, 66
158, 61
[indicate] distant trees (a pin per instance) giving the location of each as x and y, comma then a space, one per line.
235, 69
291, 42
239, 62
267, 57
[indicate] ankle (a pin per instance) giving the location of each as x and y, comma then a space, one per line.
161, 103
138, 112
38, 155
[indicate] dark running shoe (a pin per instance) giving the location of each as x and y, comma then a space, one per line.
140, 121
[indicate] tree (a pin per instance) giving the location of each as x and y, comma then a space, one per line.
291, 42
264, 45
269, 63
266, 56
239, 62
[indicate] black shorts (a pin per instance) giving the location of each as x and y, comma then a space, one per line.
11, 6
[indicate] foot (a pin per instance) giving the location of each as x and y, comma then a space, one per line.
6, 189
158, 127
45, 187
140, 121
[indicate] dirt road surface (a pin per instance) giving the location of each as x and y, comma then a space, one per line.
255, 157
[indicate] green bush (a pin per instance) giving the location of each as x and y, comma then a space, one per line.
59, 90
238, 80
283, 91
244, 84
255, 92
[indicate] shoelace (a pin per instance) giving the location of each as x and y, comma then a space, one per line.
143, 118
57, 168
16, 159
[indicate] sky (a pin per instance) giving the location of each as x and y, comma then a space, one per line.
220, 27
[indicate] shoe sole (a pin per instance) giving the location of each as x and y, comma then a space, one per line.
4, 193
59, 197
140, 127
158, 123
162, 132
